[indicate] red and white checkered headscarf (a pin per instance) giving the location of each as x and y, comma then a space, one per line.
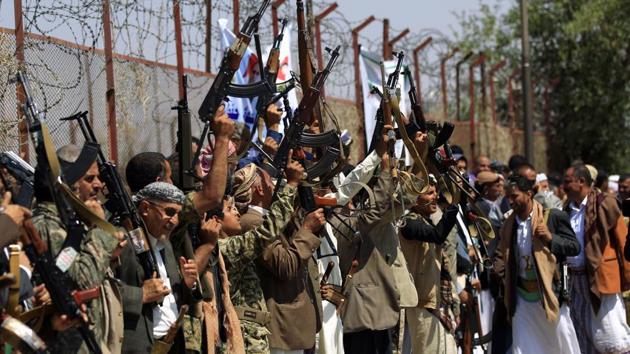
205, 157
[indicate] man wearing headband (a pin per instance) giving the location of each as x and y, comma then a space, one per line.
421, 244
91, 266
151, 306
533, 245
253, 191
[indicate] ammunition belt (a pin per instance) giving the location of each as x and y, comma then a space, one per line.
253, 315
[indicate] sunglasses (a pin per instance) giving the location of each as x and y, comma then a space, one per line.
168, 211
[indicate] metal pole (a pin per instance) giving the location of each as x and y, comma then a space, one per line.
471, 112
386, 53
511, 113
395, 40
416, 65
318, 34
493, 99
208, 36
179, 54
358, 99
19, 89
443, 80
457, 91
236, 9
274, 16
527, 94
111, 92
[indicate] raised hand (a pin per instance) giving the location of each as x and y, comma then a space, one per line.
189, 271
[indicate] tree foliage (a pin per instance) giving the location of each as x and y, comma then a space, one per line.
583, 46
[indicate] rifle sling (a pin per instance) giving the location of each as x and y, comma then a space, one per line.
409, 144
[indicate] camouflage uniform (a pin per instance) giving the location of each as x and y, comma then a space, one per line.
239, 253
88, 270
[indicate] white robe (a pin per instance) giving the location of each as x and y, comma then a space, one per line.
330, 337
532, 333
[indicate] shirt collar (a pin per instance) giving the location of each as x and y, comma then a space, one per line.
518, 220
582, 205
155, 244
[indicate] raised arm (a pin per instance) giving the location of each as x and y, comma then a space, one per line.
211, 194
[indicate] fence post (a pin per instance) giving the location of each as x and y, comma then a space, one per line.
208, 35
443, 80
318, 37
416, 64
111, 92
236, 9
390, 44
19, 89
358, 99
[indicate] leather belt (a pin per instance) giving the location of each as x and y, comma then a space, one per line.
250, 314
528, 285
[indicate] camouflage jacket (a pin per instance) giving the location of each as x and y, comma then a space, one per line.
88, 270
240, 251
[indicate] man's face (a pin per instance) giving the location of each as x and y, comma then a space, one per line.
494, 190
482, 164
572, 186
519, 200
462, 166
427, 202
90, 185
624, 189
543, 186
161, 218
231, 221
266, 187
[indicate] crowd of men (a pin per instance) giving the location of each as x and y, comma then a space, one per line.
532, 264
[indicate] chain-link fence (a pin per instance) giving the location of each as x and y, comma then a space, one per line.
69, 76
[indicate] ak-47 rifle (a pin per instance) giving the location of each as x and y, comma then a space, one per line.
57, 283
69, 207
419, 123
23, 173
306, 62
119, 201
270, 74
295, 136
392, 82
267, 85
185, 172
229, 65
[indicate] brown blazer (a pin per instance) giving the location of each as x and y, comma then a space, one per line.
381, 284
604, 241
288, 275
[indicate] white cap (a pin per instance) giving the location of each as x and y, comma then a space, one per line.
541, 177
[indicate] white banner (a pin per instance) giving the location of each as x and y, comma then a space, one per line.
242, 110
370, 71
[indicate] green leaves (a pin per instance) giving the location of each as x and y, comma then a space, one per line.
585, 46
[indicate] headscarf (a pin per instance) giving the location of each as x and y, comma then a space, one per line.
207, 153
244, 179
162, 192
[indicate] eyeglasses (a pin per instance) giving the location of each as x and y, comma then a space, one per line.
168, 211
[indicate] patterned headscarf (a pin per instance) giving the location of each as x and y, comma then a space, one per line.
205, 157
160, 191
243, 181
